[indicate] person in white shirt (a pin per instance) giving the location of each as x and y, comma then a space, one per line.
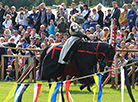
25, 18
94, 18
85, 14
16, 36
7, 21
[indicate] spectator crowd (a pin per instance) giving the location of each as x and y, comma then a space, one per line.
41, 27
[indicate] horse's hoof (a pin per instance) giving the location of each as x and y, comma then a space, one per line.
82, 86
113, 87
88, 88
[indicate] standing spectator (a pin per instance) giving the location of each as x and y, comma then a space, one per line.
64, 6
19, 18
7, 11
25, 18
49, 16
101, 15
62, 25
27, 37
7, 21
123, 17
73, 11
94, 18
37, 21
132, 16
13, 15
136, 24
16, 36
2, 11
115, 13
107, 21
33, 33
20, 29
80, 6
43, 13
62, 13
32, 17
86, 14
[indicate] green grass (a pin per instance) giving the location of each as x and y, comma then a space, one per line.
109, 95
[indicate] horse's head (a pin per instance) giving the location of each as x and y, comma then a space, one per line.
109, 53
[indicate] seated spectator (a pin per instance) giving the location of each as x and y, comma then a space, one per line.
11, 29
106, 33
20, 29
10, 74
42, 29
43, 36
51, 41
7, 21
51, 28
65, 10
38, 42
136, 40
123, 47
65, 36
62, 25
104, 40
7, 33
135, 32
33, 33
107, 21
1, 40
9, 51
118, 34
90, 31
58, 39
131, 37
27, 37
98, 31
32, 39
43, 45
46, 41
118, 42
12, 40
16, 36
24, 43
94, 18
126, 34
91, 36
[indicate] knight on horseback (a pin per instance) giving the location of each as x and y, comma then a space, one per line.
72, 43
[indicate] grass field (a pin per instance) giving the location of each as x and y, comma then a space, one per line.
109, 95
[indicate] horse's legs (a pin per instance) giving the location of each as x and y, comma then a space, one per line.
49, 81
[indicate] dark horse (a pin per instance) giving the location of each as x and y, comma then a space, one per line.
86, 56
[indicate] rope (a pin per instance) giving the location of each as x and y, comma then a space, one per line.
83, 77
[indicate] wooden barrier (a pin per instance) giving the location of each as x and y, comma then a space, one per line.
16, 64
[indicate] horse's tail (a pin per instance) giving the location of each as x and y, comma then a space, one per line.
42, 57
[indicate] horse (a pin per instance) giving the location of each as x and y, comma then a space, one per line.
84, 58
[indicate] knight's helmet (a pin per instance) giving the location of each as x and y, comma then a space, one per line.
75, 25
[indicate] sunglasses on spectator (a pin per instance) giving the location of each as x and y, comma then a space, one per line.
57, 35
133, 5
105, 29
93, 10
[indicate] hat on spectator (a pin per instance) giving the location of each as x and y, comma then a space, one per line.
33, 38
21, 8
121, 55
37, 38
131, 34
25, 7
118, 38
23, 39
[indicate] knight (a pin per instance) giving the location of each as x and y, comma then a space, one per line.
71, 45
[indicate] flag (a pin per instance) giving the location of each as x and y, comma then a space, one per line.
67, 85
11, 93
19, 92
98, 85
53, 91
37, 88
61, 96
